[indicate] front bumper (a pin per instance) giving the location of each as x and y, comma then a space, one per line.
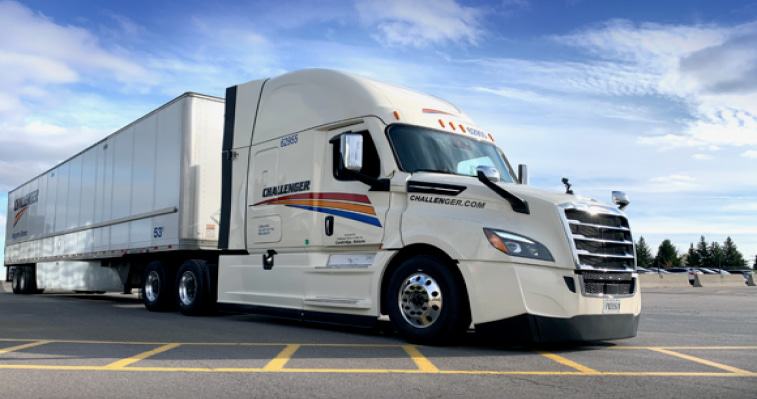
527, 328
546, 304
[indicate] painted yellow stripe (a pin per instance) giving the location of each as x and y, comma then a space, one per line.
597, 348
331, 204
569, 363
201, 343
685, 347
370, 371
24, 346
702, 361
424, 365
281, 359
125, 362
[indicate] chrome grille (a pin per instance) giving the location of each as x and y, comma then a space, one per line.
601, 237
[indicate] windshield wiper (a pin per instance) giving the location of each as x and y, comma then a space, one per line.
445, 172
519, 204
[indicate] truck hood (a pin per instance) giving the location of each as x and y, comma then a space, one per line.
477, 190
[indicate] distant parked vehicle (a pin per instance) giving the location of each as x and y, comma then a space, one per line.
744, 273
705, 270
691, 272
643, 270
660, 271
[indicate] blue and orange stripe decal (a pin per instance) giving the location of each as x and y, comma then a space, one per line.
19, 214
351, 206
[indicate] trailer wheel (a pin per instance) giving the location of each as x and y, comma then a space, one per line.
193, 291
24, 281
157, 287
427, 304
16, 280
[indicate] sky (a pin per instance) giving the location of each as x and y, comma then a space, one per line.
654, 98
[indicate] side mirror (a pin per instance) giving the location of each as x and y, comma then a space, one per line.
523, 174
620, 199
491, 173
351, 148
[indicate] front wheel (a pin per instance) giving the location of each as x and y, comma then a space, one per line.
194, 295
427, 302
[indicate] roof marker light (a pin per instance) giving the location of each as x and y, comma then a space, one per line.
452, 125
397, 115
490, 137
441, 123
463, 129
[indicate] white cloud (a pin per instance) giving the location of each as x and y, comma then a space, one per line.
680, 177
656, 46
516, 94
37, 50
702, 157
750, 154
711, 69
421, 23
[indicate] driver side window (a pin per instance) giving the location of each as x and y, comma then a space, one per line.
371, 162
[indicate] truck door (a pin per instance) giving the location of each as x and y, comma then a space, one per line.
353, 213
279, 232
351, 221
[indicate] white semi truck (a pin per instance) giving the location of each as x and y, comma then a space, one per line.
323, 196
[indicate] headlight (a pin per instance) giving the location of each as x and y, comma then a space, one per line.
516, 245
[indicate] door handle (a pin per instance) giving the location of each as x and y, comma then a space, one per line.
329, 225
268, 259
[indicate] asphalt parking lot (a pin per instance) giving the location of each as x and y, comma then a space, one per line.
691, 341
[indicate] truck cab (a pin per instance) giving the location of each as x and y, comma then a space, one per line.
345, 198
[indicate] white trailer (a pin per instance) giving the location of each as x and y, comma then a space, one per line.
327, 197
145, 192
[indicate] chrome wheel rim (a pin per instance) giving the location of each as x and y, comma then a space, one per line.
420, 300
187, 288
152, 286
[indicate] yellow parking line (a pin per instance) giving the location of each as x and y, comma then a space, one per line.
281, 359
24, 346
371, 371
125, 362
683, 347
569, 363
424, 365
702, 361
69, 341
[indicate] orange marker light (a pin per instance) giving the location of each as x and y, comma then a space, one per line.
441, 123
452, 125
495, 241
490, 137
463, 129
397, 115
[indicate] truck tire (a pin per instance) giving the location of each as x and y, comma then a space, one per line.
193, 291
158, 287
427, 303
16, 280
24, 281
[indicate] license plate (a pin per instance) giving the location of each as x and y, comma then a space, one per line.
611, 306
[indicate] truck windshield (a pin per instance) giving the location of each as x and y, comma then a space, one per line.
421, 149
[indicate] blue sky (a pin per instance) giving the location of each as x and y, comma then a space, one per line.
656, 98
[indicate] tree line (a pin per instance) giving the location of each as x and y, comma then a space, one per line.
708, 255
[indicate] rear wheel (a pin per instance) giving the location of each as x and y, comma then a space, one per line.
16, 280
193, 288
157, 287
427, 303
24, 281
